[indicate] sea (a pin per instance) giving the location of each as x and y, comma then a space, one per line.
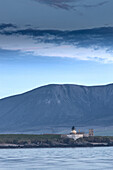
97, 158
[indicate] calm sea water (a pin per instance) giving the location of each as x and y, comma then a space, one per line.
57, 159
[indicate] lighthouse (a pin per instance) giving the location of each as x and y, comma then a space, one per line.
74, 134
73, 131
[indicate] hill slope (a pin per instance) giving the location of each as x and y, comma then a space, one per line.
58, 105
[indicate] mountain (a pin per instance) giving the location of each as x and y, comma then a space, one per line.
57, 106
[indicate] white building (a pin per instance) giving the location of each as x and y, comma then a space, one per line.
75, 135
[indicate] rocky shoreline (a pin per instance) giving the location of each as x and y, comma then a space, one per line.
52, 141
10, 146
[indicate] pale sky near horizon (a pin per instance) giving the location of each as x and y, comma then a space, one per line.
38, 46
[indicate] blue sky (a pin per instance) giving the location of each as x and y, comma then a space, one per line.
40, 44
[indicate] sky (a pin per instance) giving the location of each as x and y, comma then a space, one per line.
55, 41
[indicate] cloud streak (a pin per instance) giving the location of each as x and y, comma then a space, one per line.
90, 44
4, 26
81, 38
72, 4
95, 5
63, 4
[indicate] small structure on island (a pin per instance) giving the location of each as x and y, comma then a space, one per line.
91, 132
75, 135
73, 130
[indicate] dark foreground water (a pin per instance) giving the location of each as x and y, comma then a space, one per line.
57, 158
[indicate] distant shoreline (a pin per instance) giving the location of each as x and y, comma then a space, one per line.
37, 147
18, 141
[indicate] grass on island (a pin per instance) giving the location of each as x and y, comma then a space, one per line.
27, 139
48, 138
96, 139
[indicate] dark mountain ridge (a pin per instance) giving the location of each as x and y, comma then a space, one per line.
58, 105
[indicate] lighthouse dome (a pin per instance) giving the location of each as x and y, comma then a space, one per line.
73, 132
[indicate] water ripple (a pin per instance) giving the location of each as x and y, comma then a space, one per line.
57, 159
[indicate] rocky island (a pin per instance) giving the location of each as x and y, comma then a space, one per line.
51, 141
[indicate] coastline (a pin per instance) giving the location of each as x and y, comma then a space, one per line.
60, 146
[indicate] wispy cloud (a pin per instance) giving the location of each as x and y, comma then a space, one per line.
72, 4
81, 38
4, 26
90, 44
63, 4
95, 5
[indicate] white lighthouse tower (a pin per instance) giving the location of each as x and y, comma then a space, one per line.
75, 135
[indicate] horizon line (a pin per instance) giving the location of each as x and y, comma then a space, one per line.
59, 84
